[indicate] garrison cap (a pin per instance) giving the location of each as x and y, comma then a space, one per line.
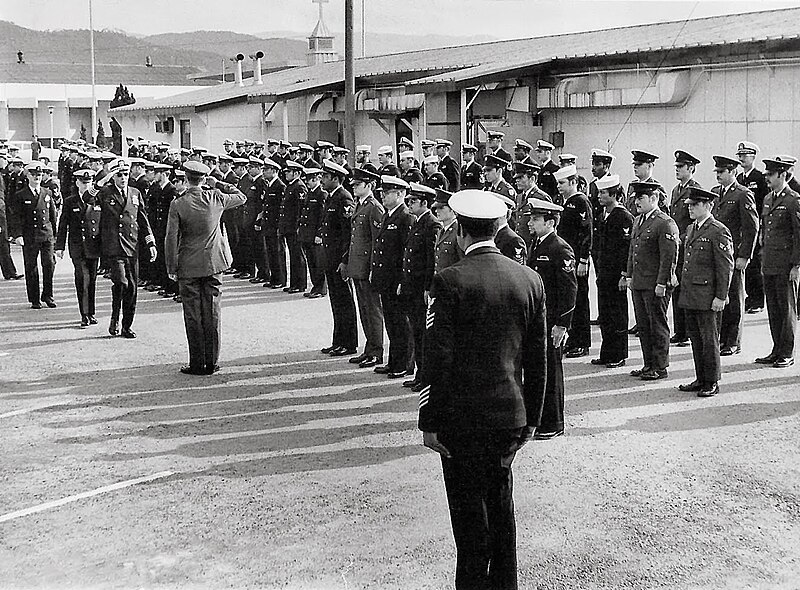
493, 161
746, 147
291, 165
474, 204
196, 168
334, 168
468, 147
565, 172
312, 171
602, 156
322, 145
361, 175
521, 144
642, 156
444, 143
494, 134
430, 160
534, 205
407, 155
225, 158
725, 162
363, 148
699, 194
427, 143
404, 141
683, 157
607, 181
442, 198
266, 163
544, 146
240, 161
388, 182
422, 192
567, 159
385, 149
521, 168
84, 175
644, 188
775, 164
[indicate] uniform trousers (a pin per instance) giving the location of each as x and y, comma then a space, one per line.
612, 307
754, 280
702, 327
553, 406
160, 265
371, 313
316, 270
415, 309
298, 275
398, 330
678, 313
275, 249
85, 284
7, 266
146, 268
124, 272
732, 321
30, 255
252, 250
201, 297
343, 309
580, 336
480, 496
232, 230
651, 319
781, 297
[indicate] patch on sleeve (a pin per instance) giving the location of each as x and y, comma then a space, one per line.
725, 246
519, 255
626, 231
349, 210
670, 237
430, 315
569, 265
424, 396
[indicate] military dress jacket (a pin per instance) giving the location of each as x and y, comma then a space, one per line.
159, 201
273, 197
32, 216
446, 250
335, 231
736, 209
309, 223
437, 180
547, 182
253, 190
289, 211
387, 253
471, 175
419, 263
79, 227
449, 168
123, 222
653, 252
678, 209
576, 225
502, 188
707, 265
487, 339
614, 239
365, 224
553, 259
755, 182
413, 174
780, 250
511, 244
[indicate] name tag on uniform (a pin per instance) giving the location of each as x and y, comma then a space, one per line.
391, 226
77, 210
543, 259
28, 202
113, 203
97, 207
779, 207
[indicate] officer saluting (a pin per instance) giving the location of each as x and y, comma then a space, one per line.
706, 276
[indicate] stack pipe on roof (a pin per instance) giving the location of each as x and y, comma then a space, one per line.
239, 59
256, 57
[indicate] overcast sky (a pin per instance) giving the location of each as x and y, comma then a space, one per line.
502, 19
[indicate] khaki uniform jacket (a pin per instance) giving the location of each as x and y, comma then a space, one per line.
736, 210
446, 250
707, 265
653, 252
781, 217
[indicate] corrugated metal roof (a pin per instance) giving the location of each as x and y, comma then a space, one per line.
460, 64
133, 75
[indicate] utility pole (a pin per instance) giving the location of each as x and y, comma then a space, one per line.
93, 126
349, 80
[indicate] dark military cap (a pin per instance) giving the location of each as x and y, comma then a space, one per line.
248, 142
185, 151
725, 162
493, 161
333, 168
198, 150
644, 188
284, 143
420, 191
322, 144
699, 194
304, 147
84, 175
534, 205
468, 147
196, 168
291, 165
521, 168
442, 198
642, 156
443, 143
776, 165
361, 175
682, 157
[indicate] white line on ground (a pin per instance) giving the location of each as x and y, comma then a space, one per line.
81, 496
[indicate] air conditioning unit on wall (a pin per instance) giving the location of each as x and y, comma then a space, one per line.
165, 125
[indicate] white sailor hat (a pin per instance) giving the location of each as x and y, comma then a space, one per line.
305, 147
385, 149
363, 148
324, 145
565, 172
431, 160
159, 167
407, 154
544, 146
388, 181
534, 205
607, 181
494, 134
473, 203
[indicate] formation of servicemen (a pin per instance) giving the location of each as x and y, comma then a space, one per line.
372, 237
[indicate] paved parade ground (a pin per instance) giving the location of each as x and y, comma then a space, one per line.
289, 469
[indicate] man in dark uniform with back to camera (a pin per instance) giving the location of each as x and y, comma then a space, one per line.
553, 259
309, 232
365, 223
780, 263
447, 165
335, 242
79, 229
735, 208
288, 219
611, 261
546, 180
650, 275
510, 244
418, 269
575, 228
32, 222
196, 257
446, 249
685, 165
486, 338
471, 172
707, 268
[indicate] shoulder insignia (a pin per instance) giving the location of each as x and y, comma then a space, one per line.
626, 231
569, 265
518, 256
430, 315
669, 236
583, 215
349, 210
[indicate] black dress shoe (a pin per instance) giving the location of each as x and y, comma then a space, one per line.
328, 349
211, 369
752, 310
36, 305
382, 369
245, 275
693, 386
84, 321
783, 362
315, 295
615, 364
577, 353
357, 359
418, 387
189, 370
370, 361
113, 328
49, 303
639, 372
92, 320
767, 360
177, 299
708, 390
397, 374
128, 333
654, 375
152, 288
598, 362
342, 351
411, 382
293, 291
277, 285
15, 277
257, 280
678, 339
730, 350
287, 289
547, 434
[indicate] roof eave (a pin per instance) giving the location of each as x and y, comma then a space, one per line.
465, 80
